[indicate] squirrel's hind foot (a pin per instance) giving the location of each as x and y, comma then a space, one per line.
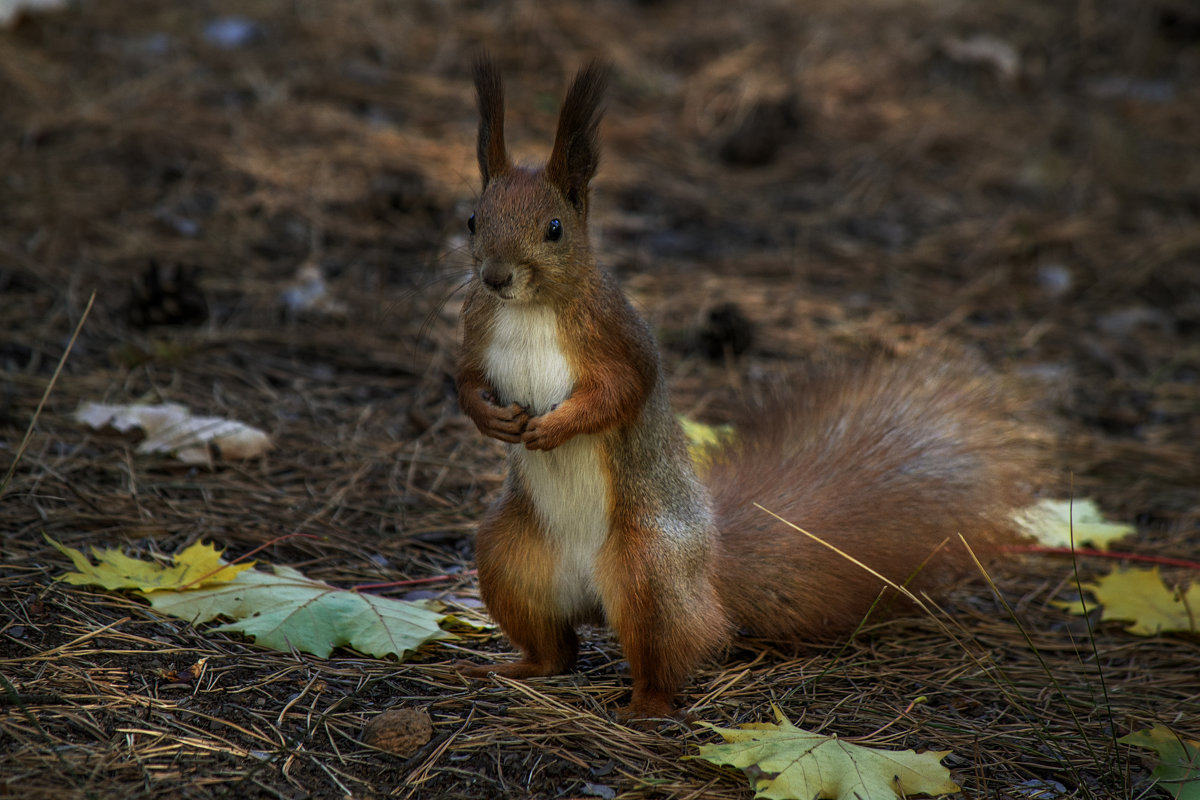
516, 670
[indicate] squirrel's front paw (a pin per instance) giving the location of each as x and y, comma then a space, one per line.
542, 434
506, 423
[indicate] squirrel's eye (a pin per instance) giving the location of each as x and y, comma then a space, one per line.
554, 231
471, 223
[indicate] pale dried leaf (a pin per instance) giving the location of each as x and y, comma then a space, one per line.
1059, 523
171, 428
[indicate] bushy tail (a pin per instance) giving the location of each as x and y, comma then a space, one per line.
890, 461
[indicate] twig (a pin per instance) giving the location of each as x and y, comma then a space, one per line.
12, 468
1085, 551
414, 581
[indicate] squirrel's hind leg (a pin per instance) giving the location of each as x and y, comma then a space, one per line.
668, 618
517, 580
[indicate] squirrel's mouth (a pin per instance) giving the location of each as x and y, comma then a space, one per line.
515, 288
503, 293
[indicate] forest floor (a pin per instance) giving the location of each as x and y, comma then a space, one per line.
1016, 179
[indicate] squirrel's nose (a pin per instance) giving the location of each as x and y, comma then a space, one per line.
496, 276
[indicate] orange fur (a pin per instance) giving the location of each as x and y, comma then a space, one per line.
515, 591
602, 517
888, 460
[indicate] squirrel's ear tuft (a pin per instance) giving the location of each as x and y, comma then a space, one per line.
489, 93
576, 151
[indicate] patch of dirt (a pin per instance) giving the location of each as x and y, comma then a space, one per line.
1018, 179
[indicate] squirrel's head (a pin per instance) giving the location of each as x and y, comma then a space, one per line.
529, 229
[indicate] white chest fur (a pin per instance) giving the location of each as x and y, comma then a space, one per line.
524, 360
568, 485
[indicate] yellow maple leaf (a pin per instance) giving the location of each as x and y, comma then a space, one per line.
1058, 523
790, 763
198, 565
703, 440
1141, 598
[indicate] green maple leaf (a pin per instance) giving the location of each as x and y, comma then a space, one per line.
198, 565
789, 763
285, 610
1178, 768
282, 610
1141, 598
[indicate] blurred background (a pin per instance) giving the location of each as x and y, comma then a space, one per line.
244, 182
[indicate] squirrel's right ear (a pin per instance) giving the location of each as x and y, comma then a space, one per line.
489, 93
576, 150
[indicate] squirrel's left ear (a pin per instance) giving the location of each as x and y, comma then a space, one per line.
576, 152
489, 92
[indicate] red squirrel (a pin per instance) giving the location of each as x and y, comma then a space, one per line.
603, 519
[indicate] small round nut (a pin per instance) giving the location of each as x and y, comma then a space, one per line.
399, 730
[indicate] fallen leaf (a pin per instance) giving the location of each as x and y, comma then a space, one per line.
10, 10
188, 675
704, 439
1056, 522
309, 295
171, 428
985, 51
285, 610
198, 565
1178, 768
787, 763
1141, 598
